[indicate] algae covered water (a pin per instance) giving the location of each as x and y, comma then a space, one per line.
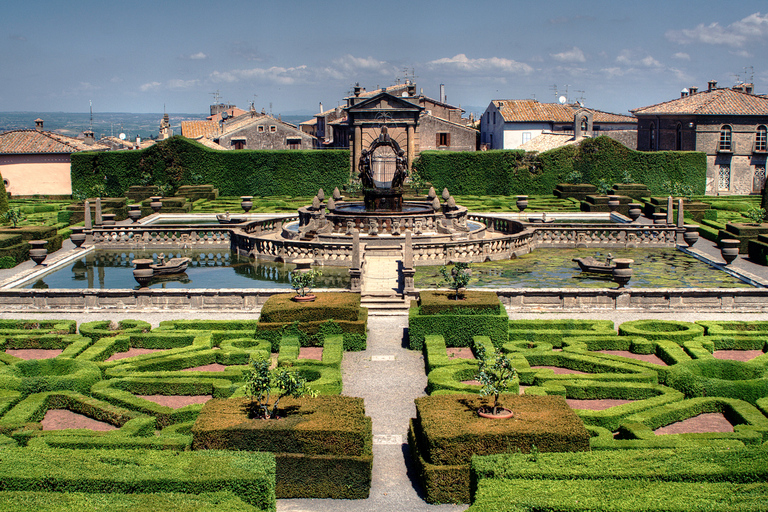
553, 268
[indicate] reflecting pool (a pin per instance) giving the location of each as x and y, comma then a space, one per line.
207, 270
553, 268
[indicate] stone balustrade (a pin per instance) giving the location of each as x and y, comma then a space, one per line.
152, 237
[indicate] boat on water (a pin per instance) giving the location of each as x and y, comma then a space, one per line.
226, 218
167, 267
595, 266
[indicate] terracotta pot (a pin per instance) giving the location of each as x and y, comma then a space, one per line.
635, 211
108, 219
134, 212
155, 203
691, 235
143, 273
246, 203
613, 203
305, 298
501, 414
78, 236
37, 251
729, 249
522, 203
622, 273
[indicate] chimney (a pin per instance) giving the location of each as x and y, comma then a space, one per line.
684, 93
411, 89
712, 84
321, 107
442, 93
693, 90
357, 89
89, 138
38, 124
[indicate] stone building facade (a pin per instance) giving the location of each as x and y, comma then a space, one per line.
728, 124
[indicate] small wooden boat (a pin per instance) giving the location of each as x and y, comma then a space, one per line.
590, 264
225, 218
171, 266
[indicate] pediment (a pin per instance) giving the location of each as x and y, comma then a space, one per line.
385, 101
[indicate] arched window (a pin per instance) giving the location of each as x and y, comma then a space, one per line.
761, 138
652, 137
725, 139
584, 125
679, 137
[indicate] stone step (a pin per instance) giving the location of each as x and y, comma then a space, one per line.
385, 304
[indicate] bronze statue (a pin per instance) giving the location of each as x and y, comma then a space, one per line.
401, 170
366, 173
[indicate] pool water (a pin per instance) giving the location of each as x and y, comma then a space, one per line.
553, 268
207, 270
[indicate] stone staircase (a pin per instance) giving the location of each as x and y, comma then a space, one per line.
385, 304
381, 292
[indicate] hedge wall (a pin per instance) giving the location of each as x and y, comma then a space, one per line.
509, 172
179, 161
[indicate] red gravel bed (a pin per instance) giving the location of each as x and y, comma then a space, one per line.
596, 405
176, 401
460, 353
472, 382
737, 355
60, 419
559, 371
707, 422
133, 352
648, 358
33, 353
213, 367
311, 353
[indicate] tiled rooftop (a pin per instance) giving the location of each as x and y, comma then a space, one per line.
516, 111
714, 102
38, 141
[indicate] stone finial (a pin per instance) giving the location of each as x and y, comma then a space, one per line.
431, 194
87, 213
451, 202
331, 204
446, 194
315, 203
670, 214
336, 194
98, 220
436, 204
321, 195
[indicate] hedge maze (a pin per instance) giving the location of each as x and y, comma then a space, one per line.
149, 386
623, 384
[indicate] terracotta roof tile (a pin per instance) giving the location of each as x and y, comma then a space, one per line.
714, 102
37, 141
196, 129
516, 111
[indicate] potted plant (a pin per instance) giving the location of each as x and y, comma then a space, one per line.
495, 374
303, 281
457, 278
266, 387
14, 216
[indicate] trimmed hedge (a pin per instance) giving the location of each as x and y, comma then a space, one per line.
179, 161
505, 172
662, 330
38, 375
553, 331
100, 329
439, 302
251, 476
281, 308
323, 445
721, 378
322, 376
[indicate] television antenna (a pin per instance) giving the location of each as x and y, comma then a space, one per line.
553, 87
216, 97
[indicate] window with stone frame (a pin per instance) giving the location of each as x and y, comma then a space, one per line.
443, 139
725, 139
260, 129
724, 178
761, 138
238, 143
273, 128
758, 180
293, 143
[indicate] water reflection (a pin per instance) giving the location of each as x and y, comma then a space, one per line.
207, 270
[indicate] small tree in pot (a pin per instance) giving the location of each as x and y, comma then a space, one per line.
266, 387
303, 281
495, 374
457, 278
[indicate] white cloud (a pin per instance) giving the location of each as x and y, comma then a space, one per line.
149, 86
277, 75
198, 56
681, 56
573, 55
752, 28
182, 84
494, 64
634, 59
741, 53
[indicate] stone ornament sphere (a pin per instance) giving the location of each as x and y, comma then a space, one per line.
37, 251
691, 235
729, 249
142, 273
622, 273
155, 203
634, 212
78, 236
134, 212
521, 203
246, 203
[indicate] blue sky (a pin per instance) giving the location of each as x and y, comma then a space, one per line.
142, 56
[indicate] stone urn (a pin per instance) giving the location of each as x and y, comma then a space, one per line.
635, 211
246, 203
134, 212
37, 251
691, 234
108, 219
155, 203
78, 236
729, 249
142, 272
521, 203
660, 218
621, 272
613, 203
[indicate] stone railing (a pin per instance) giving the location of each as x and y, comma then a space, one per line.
268, 225
167, 237
616, 236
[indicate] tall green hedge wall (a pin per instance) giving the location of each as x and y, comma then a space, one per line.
180, 161
510, 172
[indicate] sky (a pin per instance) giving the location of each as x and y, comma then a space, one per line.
288, 57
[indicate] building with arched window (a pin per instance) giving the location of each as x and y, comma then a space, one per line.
728, 124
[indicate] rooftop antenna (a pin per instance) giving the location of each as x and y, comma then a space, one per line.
581, 96
91, 104
216, 97
553, 87
533, 95
270, 109
751, 74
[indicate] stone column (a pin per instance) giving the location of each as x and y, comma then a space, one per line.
357, 148
88, 226
355, 272
410, 132
408, 270
670, 214
98, 220
680, 223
